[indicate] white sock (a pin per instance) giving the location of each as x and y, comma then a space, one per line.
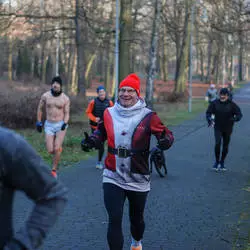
136, 243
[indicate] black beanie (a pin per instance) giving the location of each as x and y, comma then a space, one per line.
224, 91
57, 79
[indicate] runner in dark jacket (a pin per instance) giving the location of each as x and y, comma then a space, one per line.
22, 169
225, 113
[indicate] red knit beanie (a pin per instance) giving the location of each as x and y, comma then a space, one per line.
132, 81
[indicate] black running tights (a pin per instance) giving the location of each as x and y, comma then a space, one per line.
225, 136
114, 198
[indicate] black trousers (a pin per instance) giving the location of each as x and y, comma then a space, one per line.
114, 198
100, 150
225, 137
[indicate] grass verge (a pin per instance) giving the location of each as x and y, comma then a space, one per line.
72, 152
173, 114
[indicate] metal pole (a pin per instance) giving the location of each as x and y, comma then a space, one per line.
191, 60
117, 30
223, 63
57, 53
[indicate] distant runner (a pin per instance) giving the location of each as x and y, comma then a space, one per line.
222, 114
211, 94
95, 112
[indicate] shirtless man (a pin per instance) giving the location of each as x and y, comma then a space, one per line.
57, 106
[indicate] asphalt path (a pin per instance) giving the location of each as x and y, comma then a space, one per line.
193, 208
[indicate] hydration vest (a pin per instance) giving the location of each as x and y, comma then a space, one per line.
99, 107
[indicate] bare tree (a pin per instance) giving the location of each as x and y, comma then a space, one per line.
153, 53
125, 38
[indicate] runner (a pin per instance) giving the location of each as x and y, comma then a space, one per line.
127, 127
95, 112
22, 169
57, 106
225, 113
211, 94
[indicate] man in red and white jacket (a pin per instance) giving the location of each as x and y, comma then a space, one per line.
127, 127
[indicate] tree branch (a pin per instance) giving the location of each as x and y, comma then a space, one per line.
36, 16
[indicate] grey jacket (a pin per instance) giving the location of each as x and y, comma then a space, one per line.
21, 168
211, 94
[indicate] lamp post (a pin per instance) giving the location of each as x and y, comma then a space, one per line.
231, 43
57, 52
223, 63
117, 30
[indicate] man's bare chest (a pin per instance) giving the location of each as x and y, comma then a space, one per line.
53, 102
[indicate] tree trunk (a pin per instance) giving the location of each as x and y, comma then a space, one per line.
209, 57
88, 69
32, 64
223, 65
109, 56
70, 66
165, 54
181, 78
240, 71
10, 63
81, 88
125, 38
74, 86
232, 67
201, 65
216, 66
133, 47
45, 58
153, 53
178, 49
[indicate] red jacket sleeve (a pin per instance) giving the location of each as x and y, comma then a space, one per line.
111, 104
161, 132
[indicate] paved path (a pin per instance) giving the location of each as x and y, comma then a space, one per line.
194, 208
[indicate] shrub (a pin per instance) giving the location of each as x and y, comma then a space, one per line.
18, 109
172, 97
18, 105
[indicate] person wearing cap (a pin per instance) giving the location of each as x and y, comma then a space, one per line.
211, 94
222, 114
57, 106
95, 112
128, 127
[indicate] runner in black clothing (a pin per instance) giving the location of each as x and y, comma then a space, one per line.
225, 113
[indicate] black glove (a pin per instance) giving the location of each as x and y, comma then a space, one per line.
39, 126
165, 142
13, 245
87, 143
64, 126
